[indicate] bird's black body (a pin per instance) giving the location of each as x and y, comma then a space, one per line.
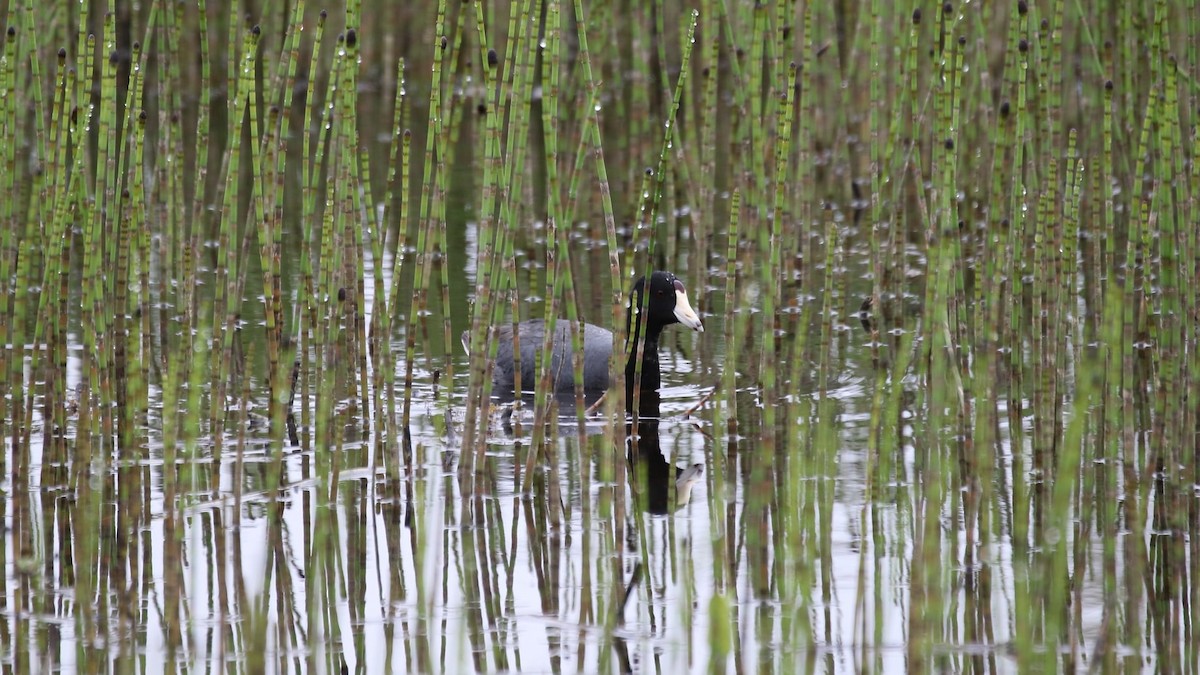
666, 303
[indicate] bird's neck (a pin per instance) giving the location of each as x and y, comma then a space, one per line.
650, 373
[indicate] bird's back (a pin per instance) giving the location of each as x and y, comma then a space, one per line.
597, 354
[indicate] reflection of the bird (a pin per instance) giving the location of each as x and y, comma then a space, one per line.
647, 463
652, 476
650, 467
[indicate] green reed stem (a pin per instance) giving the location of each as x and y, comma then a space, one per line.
592, 133
329, 298
385, 299
226, 297
524, 50
400, 255
105, 217
355, 175
769, 273
551, 67
432, 138
9, 369
310, 163
650, 210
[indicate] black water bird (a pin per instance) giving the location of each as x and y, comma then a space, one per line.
667, 304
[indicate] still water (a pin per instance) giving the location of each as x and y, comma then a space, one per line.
366, 566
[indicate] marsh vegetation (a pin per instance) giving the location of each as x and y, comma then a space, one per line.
942, 415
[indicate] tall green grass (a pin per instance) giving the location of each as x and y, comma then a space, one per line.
205, 204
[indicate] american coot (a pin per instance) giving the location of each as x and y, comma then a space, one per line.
668, 304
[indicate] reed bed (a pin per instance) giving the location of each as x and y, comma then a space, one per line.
947, 255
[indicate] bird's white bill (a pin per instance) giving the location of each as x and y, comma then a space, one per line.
684, 312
